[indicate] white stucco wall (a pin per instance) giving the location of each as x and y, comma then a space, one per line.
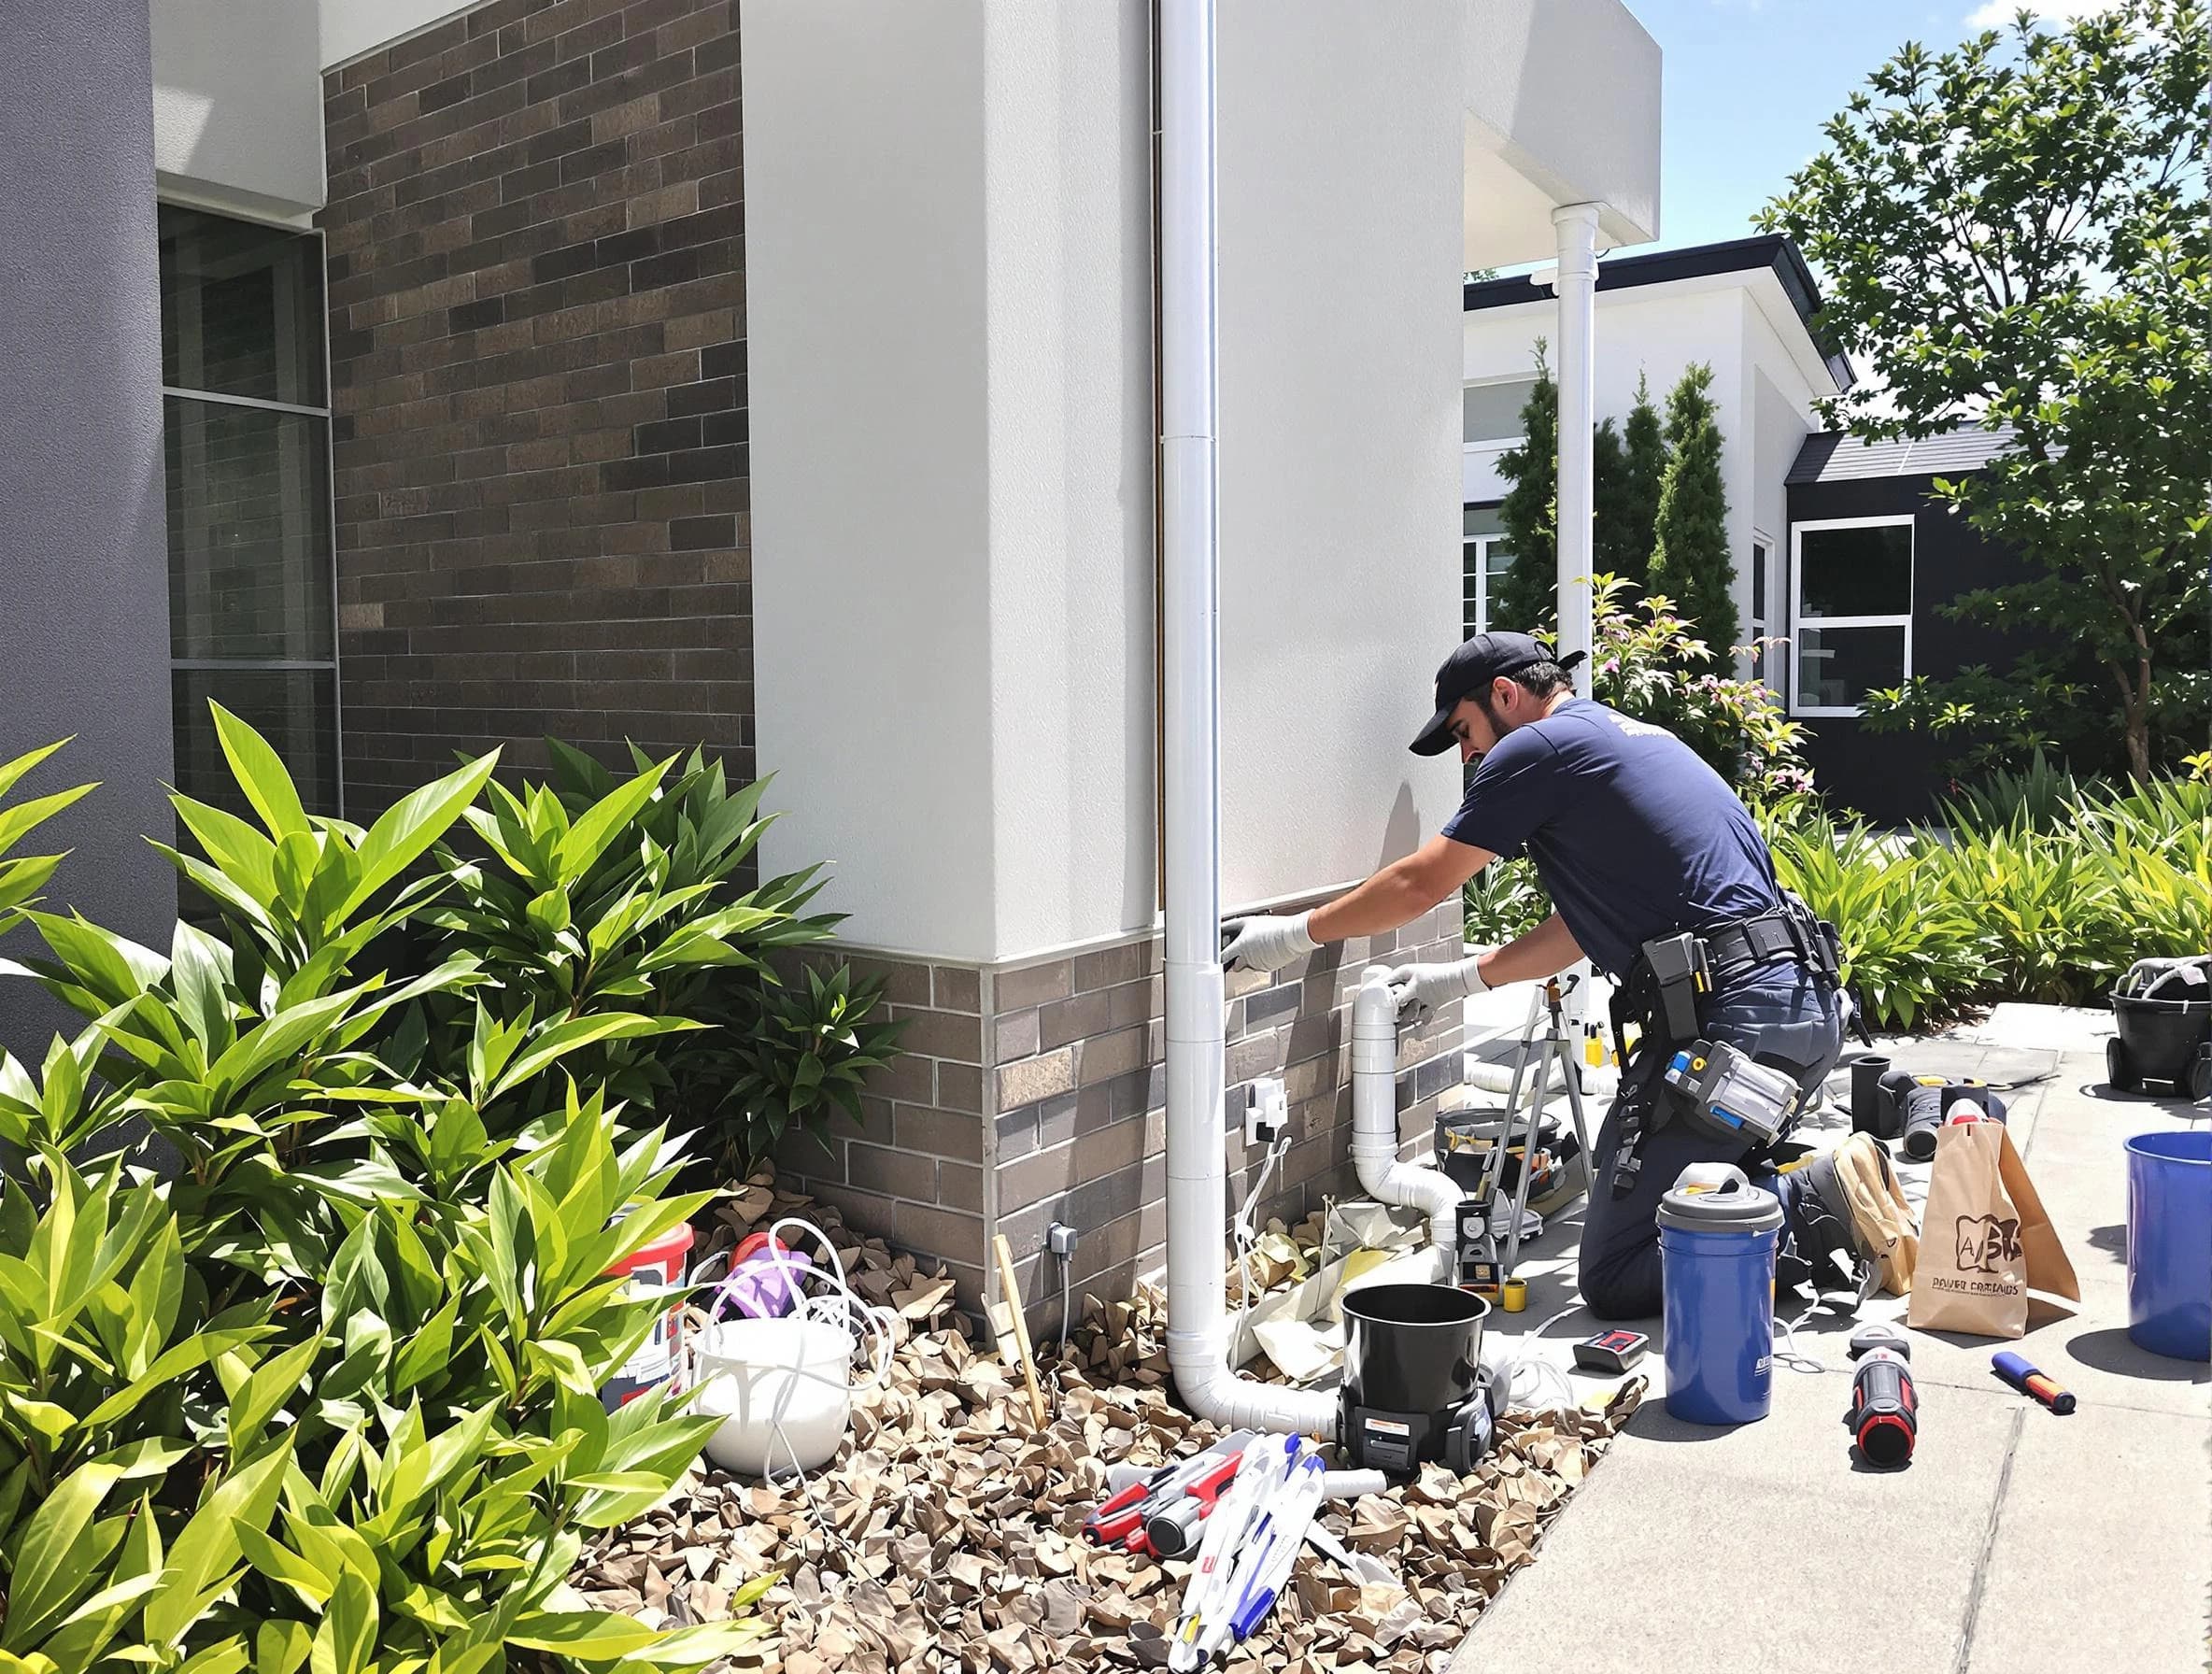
949, 317
237, 105
1066, 204
1562, 103
1341, 156
352, 27
868, 360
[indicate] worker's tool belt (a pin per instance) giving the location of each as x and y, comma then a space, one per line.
1664, 992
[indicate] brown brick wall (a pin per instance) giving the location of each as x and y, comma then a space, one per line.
535, 238
913, 1167
1036, 1092
1078, 1094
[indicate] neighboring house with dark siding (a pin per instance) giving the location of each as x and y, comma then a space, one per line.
1845, 558
417, 378
1874, 558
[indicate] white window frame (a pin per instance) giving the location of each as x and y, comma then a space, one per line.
1798, 622
1480, 545
1761, 581
1492, 444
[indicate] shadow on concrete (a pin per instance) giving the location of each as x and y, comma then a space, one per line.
2174, 1104
2113, 1241
2114, 1351
1653, 1423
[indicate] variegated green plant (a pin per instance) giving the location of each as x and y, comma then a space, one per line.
311, 1381
22, 876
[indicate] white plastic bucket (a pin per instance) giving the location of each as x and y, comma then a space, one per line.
782, 1387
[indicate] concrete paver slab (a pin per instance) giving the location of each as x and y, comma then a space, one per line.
1764, 1547
1724, 1549
2117, 1507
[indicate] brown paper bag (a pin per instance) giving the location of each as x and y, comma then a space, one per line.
1985, 1241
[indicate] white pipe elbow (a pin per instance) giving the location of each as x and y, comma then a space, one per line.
1374, 1122
1215, 1393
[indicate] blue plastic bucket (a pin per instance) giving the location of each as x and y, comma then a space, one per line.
2169, 1243
1717, 1236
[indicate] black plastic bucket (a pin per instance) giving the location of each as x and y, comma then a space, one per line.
1412, 1348
2161, 1036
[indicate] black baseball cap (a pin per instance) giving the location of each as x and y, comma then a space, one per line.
1471, 669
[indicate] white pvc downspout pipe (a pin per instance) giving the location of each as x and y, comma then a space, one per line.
1575, 228
1576, 225
1198, 1181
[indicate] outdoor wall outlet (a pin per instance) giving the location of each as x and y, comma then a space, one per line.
1059, 1238
1267, 1111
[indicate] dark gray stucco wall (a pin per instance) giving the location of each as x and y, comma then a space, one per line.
84, 589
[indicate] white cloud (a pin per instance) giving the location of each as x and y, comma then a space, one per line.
1998, 13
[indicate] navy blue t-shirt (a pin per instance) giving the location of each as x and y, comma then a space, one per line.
1633, 835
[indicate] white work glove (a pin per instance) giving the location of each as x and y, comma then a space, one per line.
1419, 989
1265, 943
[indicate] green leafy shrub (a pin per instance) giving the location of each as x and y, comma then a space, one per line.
806, 1060
2051, 921
600, 898
2039, 797
1505, 899
1911, 955
328, 1399
1648, 664
22, 876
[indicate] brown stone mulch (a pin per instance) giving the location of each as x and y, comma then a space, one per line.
946, 1533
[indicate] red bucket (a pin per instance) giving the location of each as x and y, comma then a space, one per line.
658, 1265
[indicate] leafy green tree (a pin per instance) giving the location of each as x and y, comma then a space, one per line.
1528, 593
2015, 235
1691, 563
1645, 465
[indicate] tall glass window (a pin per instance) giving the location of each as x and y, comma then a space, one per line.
246, 414
1484, 561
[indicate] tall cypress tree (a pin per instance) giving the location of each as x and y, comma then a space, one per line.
1527, 596
1615, 547
1645, 469
1691, 562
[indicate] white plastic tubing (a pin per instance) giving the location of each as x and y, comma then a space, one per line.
1374, 1122
1198, 1185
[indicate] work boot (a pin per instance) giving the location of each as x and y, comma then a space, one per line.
1854, 1191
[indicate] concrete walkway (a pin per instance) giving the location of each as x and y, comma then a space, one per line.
2016, 1539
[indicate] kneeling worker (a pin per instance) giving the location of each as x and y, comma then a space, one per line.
1638, 842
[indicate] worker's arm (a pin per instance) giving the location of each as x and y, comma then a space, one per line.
1548, 947
1420, 989
1399, 894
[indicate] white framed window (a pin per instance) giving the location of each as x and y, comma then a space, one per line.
1760, 549
1490, 411
1851, 611
1485, 561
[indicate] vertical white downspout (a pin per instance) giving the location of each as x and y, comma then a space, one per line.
1577, 227
1198, 1182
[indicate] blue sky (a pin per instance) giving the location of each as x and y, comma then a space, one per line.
1749, 83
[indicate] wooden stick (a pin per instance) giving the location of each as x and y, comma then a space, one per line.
1013, 1300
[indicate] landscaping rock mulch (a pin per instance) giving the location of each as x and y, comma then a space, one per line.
946, 1533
